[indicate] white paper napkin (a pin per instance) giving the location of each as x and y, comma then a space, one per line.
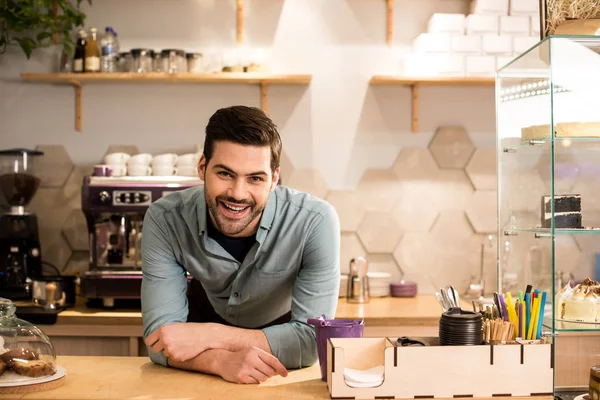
371, 377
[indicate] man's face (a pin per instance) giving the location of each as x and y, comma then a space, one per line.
237, 183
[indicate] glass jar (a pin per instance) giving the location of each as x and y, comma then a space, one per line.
26, 353
157, 62
195, 63
173, 61
142, 60
124, 62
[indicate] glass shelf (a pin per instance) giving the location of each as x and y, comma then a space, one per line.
569, 326
565, 140
560, 231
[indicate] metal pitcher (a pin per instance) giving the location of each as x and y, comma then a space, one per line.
358, 282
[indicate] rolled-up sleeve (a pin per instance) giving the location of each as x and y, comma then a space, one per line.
315, 292
164, 281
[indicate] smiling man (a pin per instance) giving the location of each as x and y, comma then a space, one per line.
264, 259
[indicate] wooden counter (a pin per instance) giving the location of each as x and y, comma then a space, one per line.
83, 331
137, 378
385, 311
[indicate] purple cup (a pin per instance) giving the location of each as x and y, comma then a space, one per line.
333, 328
102, 170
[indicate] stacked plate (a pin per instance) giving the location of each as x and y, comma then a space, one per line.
343, 285
379, 283
461, 328
403, 289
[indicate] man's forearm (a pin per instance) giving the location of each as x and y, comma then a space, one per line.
233, 339
207, 362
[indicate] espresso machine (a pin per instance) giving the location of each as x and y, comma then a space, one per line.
20, 258
114, 208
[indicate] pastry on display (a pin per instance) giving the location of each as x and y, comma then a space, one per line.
3, 367
594, 390
579, 304
33, 368
20, 354
562, 130
567, 211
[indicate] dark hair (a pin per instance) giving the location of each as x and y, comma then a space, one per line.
243, 125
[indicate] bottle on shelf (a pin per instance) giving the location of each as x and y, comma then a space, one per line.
92, 53
79, 57
110, 51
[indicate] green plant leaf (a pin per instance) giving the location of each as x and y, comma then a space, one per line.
27, 44
43, 36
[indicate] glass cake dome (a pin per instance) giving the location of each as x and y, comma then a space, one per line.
26, 352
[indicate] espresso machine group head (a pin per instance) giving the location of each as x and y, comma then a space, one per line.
114, 208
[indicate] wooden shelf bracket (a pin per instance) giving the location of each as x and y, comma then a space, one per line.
263, 97
414, 94
240, 21
390, 22
77, 86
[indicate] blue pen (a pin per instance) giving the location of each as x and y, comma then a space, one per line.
527, 312
541, 317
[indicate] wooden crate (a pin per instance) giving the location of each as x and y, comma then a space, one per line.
440, 371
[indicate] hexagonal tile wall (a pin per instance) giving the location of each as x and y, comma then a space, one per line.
415, 163
384, 263
379, 190
452, 191
481, 169
349, 208
72, 188
416, 210
51, 208
414, 252
456, 248
78, 263
482, 211
379, 233
350, 247
54, 166
75, 231
451, 147
54, 248
308, 180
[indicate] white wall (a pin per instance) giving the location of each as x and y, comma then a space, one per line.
338, 124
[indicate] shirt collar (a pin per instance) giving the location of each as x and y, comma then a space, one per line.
266, 220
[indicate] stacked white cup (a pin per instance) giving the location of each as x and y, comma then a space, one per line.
187, 164
139, 165
164, 165
117, 162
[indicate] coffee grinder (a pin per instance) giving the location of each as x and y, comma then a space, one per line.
20, 258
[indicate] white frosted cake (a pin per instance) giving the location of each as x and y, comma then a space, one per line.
581, 303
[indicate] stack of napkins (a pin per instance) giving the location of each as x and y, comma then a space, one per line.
371, 377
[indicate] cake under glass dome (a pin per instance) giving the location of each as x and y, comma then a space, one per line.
26, 353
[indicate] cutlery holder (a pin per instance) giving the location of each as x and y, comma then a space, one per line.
436, 371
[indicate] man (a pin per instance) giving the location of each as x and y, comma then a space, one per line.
264, 259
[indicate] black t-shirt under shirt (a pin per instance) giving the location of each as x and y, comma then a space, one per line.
237, 247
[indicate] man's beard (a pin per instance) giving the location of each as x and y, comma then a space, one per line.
227, 225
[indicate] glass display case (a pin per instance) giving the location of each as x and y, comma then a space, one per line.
548, 165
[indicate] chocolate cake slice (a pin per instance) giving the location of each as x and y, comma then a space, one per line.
567, 211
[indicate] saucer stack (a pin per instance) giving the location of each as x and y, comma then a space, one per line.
379, 283
403, 289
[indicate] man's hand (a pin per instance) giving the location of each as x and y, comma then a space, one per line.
179, 341
250, 365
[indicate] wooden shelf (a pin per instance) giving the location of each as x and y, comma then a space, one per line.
416, 83
252, 78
